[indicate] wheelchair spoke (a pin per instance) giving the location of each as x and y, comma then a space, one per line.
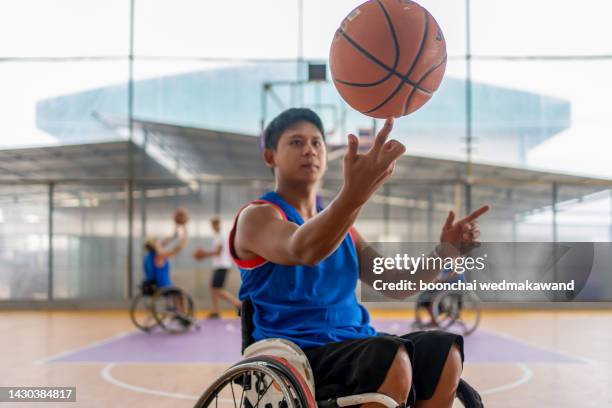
141, 313
456, 311
263, 384
259, 396
233, 396
242, 393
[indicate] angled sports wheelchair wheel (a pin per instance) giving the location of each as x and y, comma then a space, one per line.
166, 310
422, 318
259, 382
141, 313
445, 308
461, 310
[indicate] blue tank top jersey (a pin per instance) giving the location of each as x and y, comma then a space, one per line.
311, 306
157, 274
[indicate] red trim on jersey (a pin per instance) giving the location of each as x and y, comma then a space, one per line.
351, 232
258, 260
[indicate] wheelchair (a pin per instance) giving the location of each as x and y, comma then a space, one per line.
275, 373
448, 310
159, 307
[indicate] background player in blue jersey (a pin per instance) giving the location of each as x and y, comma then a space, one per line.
300, 266
157, 260
158, 255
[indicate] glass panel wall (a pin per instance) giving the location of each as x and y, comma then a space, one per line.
24, 242
113, 126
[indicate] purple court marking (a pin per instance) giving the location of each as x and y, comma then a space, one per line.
484, 346
218, 341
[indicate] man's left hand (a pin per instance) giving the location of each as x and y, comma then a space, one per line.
465, 233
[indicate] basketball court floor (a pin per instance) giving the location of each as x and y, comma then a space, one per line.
116, 113
515, 358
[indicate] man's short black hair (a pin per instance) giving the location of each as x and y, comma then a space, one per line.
286, 120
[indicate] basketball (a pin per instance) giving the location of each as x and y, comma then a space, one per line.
198, 254
388, 58
181, 216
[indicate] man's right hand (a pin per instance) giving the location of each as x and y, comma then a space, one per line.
365, 173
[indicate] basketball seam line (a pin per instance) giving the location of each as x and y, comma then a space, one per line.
414, 62
397, 53
375, 60
424, 77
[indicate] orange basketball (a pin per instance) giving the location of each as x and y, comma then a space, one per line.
181, 216
388, 58
199, 254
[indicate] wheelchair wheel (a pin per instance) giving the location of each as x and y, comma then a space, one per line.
141, 313
445, 308
458, 309
422, 319
167, 310
262, 381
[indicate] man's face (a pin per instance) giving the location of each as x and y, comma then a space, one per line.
301, 154
216, 226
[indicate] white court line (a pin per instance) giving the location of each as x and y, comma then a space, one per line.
526, 377
584, 360
105, 373
77, 349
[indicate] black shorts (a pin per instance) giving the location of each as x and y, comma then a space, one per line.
218, 278
360, 366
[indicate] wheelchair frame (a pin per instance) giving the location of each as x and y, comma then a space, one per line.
152, 297
443, 317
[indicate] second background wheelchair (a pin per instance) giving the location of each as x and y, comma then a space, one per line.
458, 311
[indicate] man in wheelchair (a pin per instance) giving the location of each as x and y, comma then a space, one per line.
156, 266
299, 266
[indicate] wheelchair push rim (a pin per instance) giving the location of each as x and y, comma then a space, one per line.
459, 310
141, 313
166, 310
254, 383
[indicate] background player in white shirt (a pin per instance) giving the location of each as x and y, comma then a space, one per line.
221, 263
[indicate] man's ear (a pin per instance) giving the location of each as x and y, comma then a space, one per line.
268, 156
